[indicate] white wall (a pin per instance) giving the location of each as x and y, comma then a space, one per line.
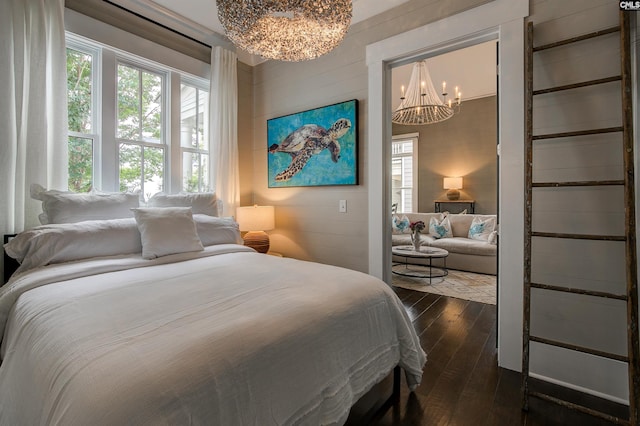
594, 265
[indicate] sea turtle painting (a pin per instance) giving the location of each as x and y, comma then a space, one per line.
307, 141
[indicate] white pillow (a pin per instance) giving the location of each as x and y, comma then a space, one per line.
440, 229
166, 230
481, 228
400, 225
200, 202
217, 230
65, 242
71, 207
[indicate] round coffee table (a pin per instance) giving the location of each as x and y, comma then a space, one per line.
409, 269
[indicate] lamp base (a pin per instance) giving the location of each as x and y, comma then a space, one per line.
453, 194
257, 240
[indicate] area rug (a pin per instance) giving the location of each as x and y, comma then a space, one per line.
463, 285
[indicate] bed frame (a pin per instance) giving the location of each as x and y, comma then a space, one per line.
10, 264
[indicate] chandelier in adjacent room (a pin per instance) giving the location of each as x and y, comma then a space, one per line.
421, 104
286, 30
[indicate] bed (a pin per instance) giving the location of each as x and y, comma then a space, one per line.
217, 335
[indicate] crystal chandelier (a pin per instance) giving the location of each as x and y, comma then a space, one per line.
421, 104
287, 30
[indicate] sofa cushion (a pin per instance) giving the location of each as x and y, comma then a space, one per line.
465, 245
400, 224
440, 229
460, 223
425, 217
482, 228
405, 240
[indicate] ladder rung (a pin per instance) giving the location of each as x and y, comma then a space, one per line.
578, 85
578, 133
581, 408
578, 38
577, 348
580, 291
577, 183
579, 236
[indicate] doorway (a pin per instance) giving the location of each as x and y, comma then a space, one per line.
425, 157
500, 20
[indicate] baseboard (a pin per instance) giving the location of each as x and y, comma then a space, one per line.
580, 389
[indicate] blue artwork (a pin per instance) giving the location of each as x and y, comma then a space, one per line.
314, 148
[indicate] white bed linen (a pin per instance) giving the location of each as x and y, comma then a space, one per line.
222, 337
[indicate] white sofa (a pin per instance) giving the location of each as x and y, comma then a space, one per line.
465, 254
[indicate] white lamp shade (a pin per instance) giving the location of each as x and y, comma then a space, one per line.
255, 218
452, 183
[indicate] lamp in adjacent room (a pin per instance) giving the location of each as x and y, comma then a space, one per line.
286, 30
453, 184
255, 220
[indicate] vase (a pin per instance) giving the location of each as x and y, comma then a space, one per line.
415, 238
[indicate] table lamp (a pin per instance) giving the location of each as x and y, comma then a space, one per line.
453, 184
255, 220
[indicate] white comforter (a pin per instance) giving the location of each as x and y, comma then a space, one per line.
221, 337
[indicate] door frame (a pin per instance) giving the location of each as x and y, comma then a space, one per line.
501, 20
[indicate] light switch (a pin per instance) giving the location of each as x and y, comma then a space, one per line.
342, 206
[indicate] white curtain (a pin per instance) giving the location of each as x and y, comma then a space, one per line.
33, 107
223, 121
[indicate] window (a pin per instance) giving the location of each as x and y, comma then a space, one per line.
194, 114
141, 147
120, 137
404, 173
81, 103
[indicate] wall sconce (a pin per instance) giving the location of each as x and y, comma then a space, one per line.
453, 184
255, 220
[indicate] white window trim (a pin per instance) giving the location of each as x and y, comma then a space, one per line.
106, 144
80, 44
165, 137
413, 137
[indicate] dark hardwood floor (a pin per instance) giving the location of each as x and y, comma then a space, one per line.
462, 383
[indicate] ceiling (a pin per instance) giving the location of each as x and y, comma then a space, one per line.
472, 69
205, 12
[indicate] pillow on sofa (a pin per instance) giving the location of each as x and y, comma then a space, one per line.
400, 225
481, 228
440, 229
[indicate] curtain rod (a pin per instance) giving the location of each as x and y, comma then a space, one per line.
157, 23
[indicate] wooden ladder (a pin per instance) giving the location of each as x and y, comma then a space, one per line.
629, 239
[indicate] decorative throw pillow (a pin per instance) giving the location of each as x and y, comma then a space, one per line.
481, 228
440, 229
167, 230
400, 225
